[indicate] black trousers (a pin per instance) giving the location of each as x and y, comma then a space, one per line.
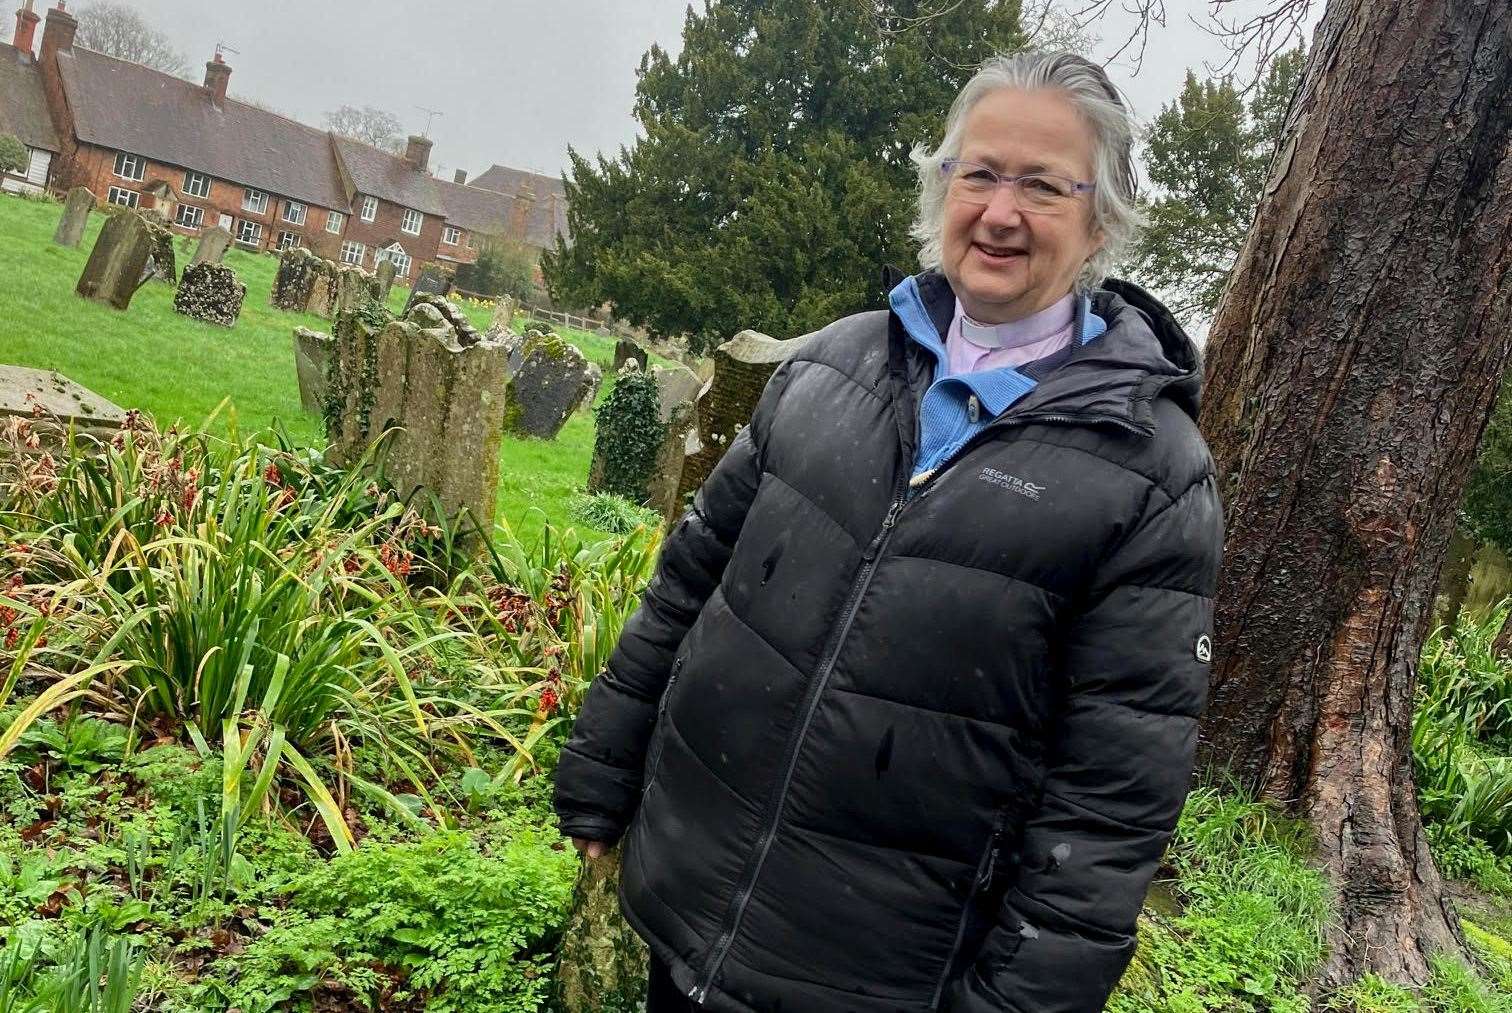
661, 995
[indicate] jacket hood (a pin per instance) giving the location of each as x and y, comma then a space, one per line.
1144, 354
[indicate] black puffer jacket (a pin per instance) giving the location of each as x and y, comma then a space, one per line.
881, 751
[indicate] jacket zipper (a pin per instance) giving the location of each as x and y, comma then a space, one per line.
661, 710
979, 885
700, 991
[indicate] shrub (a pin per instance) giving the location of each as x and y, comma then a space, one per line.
629, 435
614, 514
503, 267
13, 156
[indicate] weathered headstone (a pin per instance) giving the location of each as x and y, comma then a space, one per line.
503, 315
298, 272
591, 387
118, 264
638, 450
439, 385
385, 275
548, 380
75, 220
353, 287
213, 244
54, 404
432, 281
312, 362
163, 264
742, 366
625, 351
210, 292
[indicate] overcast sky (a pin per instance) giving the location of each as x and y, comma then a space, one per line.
515, 82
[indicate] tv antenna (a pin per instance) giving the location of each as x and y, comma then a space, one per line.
430, 114
221, 47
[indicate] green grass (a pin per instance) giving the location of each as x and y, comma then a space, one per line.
152, 358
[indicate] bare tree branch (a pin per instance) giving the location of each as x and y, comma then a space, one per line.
370, 125
117, 30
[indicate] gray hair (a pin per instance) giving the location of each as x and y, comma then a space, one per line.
1098, 102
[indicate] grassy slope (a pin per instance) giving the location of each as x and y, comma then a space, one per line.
152, 358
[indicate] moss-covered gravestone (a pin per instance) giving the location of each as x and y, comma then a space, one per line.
433, 388
642, 428
75, 220
742, 366
299, 271
119, 263
163, 264
625, 351
601, 963
53, 406
549, 379
503, 314
384, 275
210, 292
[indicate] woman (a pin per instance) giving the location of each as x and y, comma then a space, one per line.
908, 713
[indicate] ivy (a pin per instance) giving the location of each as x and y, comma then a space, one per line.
630, 433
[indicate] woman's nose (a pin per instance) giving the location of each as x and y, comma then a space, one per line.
1003, 208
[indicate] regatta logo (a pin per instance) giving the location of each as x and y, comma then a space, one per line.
1011, 482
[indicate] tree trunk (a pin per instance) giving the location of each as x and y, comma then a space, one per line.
601, 966
1501, 647
1352, 367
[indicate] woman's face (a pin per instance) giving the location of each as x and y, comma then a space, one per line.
1002, 263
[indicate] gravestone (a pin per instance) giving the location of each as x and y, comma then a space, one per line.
118, 264
385, 276
353, 287
504, 311
53, 405
548, 380
75, 220
312, 364
432, 281
213, 244
163, 264
742, 366
648, 475
434, 389
298, 272
625, 351
591, 387
210, 292
322, 295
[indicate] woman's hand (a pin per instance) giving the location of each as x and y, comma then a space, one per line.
593, 849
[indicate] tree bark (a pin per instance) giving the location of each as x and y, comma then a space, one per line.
601, 964
1353, 365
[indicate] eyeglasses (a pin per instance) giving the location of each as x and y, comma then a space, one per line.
1039, 192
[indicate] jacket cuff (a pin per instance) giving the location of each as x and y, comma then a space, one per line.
591, 828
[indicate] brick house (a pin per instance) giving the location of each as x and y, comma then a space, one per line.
139, 137
24, 114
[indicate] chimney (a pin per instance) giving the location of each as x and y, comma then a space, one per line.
524, 206
217, 76
26, 28
417, 152
460, 177
57, 32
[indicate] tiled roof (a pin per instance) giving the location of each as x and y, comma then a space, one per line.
23, 103
480, 211
128, 107
388, 177
503, 179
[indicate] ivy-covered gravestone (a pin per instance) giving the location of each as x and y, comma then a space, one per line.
642, 427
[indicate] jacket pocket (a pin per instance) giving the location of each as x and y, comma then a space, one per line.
659, 731
981, 884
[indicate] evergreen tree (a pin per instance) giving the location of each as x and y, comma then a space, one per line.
773, 182
1209, 156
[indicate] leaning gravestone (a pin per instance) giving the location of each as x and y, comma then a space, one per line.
435, 386
385, 275
625, 351
312, 363
119, 263
548, 380
163, 264
432, 281
742, 366
75, 220
54, 405
639, 442
210, 292
213, 244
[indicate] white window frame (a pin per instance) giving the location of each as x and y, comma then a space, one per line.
394, 252
122, 196
412, 216
254, 201
287, 239
369, 209
451, 235
127, 163
195, 216
196, 184
289, 215
242, 228
334, 222
352, 252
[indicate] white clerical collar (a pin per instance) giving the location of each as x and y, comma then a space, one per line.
1017, 333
